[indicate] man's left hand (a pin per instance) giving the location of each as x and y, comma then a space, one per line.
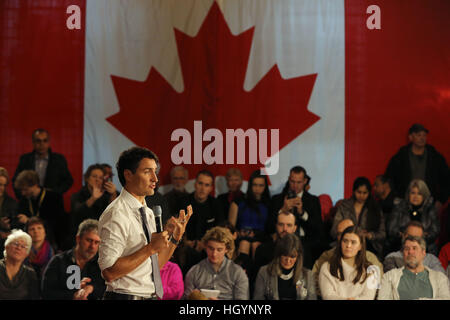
177, 226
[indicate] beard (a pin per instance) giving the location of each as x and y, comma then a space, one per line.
412, 263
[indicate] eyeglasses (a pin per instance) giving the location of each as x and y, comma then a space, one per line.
19, 245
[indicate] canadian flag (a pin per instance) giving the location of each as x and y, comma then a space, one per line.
177, 76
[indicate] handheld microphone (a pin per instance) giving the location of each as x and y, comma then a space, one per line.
158, 218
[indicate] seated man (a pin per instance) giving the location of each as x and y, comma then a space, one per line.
43, 203
234, 184
306, 206
56, 276
217, 271
395, 259
208, 212
414, 280
286, 223
178, 177
327, 255
383, 190
51, 167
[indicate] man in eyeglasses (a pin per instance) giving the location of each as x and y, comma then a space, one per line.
51, 167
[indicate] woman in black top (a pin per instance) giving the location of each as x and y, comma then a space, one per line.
285, 278
17, 281
417, 205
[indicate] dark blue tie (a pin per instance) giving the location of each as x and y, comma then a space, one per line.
155, 266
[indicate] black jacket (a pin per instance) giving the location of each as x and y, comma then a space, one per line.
8, 208
437, 175
55, 278
51, 210
400, 217
206, 215
57, 175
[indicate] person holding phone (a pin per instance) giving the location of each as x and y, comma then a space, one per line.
93, 198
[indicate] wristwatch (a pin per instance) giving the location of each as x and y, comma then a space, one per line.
175, 242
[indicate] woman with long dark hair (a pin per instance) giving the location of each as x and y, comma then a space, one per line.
365, 213
249, 215
285, 278
346, 275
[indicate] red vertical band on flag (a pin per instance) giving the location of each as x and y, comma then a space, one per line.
41, 81
395, 77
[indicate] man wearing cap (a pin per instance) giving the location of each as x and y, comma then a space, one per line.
419, 160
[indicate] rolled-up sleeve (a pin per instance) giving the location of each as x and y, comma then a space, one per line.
113, 234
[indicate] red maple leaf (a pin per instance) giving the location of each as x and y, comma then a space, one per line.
213, 65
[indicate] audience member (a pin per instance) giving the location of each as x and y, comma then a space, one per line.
328, 255
250, 214
444, 256
93, 198
237, 257
414, 280
157, 199
383, 190
234, 194
286, 224
395, 259
107, 172
304, 205
346, 276
217, 272
365, 213
8, 209
172, 281
84, 256
417, 206
42, 203
208, 212
419, 160
179, 177
285, 278
17, 281
41, 250
51, 167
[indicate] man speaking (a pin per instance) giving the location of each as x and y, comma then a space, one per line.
131, 252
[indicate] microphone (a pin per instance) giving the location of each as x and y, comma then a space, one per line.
158, 218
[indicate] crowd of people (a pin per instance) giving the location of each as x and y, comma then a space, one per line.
388, 240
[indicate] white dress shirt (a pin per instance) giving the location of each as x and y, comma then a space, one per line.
121, 233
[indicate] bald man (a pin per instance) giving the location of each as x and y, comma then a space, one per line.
326, 256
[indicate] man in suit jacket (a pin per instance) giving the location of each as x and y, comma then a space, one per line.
306, 207
51, 167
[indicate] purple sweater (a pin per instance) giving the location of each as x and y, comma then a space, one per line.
172, 281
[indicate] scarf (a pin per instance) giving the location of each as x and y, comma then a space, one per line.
41, 257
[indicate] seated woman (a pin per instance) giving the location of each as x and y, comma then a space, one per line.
17, 281
93, 198
417, 205
249, 216
346, 275
365, 213
41, 249
285, 278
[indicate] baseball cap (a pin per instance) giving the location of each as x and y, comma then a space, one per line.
417, 127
